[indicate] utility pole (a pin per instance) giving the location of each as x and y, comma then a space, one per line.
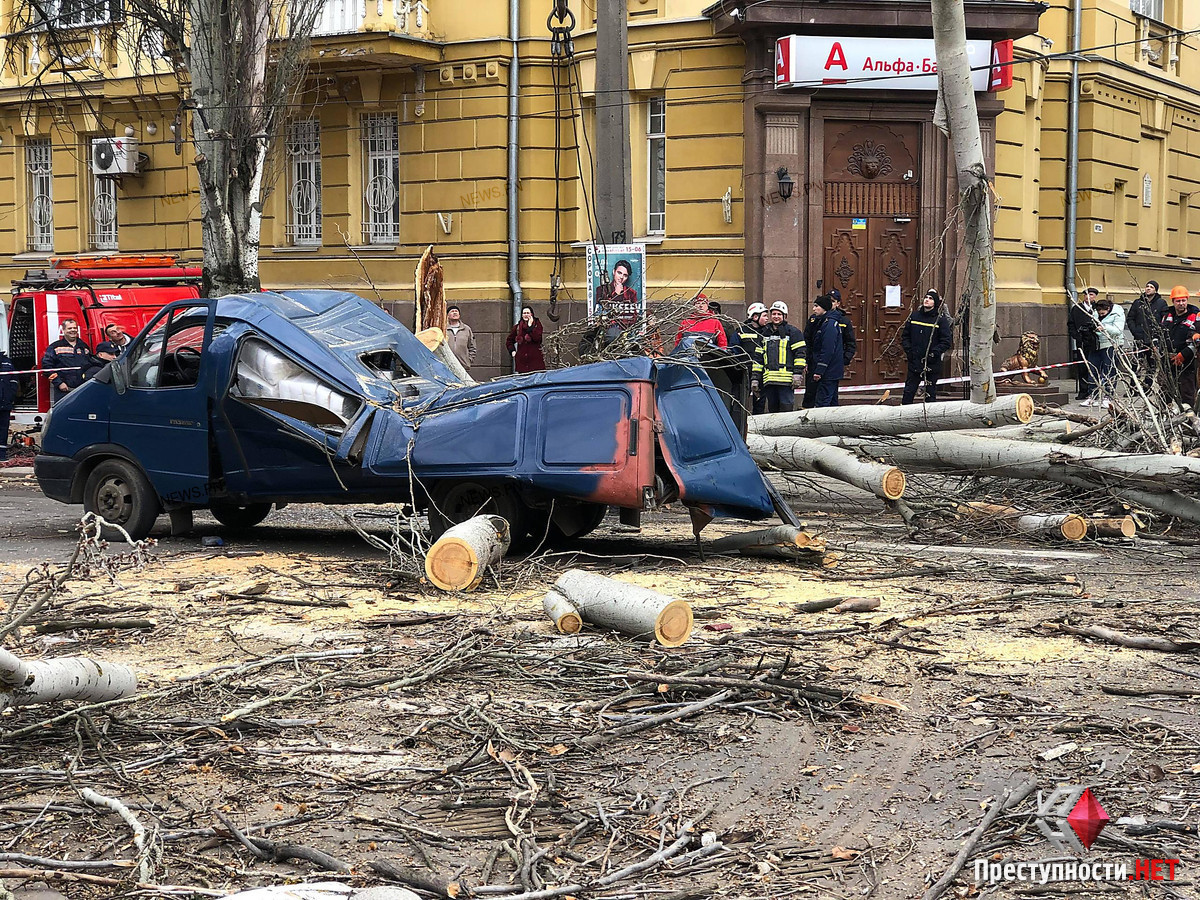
957, 99
614, 194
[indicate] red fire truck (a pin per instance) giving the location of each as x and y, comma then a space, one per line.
95, 291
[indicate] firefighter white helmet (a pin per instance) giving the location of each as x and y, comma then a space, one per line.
779, 305
756, 309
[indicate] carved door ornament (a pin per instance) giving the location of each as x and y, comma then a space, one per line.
893, 271
844, 272
870, 160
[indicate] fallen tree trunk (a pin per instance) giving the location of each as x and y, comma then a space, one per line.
626, 608
565, 617
458, 559
813, 553
766, 537
1069, 526
949, 452
54, 680
798, 454
1122, 527
853, 421
435, 340
1043, 431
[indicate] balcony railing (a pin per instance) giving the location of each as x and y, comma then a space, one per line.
409, 17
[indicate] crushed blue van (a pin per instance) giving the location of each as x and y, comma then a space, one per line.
249, 402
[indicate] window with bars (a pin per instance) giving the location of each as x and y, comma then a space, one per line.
381, 179
1151, 9
656, 155
103, 201
84, 13
40, 194
303, 146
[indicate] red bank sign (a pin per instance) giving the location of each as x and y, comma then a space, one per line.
878, 64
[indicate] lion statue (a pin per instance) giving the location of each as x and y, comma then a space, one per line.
1026, 358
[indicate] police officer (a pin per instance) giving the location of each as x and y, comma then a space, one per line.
781, 361
70, 354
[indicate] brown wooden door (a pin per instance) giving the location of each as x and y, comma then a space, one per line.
870, 237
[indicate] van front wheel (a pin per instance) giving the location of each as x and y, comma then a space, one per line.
119, 493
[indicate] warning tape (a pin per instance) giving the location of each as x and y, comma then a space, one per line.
39, 371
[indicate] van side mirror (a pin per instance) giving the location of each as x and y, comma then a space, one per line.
120, 375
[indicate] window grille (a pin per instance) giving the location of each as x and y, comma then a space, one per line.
381, 179
84, 13
39, 169
103, 235
1150, 9
304, 183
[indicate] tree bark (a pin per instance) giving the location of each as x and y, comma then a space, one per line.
853, 421
809, 455
1045, 431
950, 452
565, 617
459, 558
1068, 526
626, 608
763, 537
435, 340
54, 680
957, 99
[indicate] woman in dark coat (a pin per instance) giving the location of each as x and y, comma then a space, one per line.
525, 343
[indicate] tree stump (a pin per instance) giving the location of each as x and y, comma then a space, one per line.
457, 561
626, 608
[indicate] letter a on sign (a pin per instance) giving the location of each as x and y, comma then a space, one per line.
783, 60
837, 57
1002, 66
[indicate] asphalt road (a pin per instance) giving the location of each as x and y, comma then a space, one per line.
34, 528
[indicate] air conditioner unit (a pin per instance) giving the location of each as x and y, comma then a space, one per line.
114, 156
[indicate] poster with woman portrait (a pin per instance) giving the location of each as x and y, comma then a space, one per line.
616, 283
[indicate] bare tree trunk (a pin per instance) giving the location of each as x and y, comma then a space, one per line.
957, 101
850, 421
789, 454
55, 680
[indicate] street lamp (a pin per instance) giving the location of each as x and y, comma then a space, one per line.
786, 183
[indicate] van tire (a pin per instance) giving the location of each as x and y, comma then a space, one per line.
239, 517
119, 493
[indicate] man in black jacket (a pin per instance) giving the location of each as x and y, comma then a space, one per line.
1145, 324
926, 337
1081, 327
1181, 325
71, 357
8, 396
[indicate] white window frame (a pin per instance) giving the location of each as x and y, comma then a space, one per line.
102, 209
39, 173
656, 181
303, 147
381, 179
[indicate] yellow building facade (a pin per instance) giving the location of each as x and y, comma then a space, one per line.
400, 140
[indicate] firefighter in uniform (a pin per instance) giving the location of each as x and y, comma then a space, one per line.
750, 338
72, 356
781, 361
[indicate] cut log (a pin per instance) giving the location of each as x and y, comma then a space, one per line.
430, 292
853, 421
764, 537
54, 680
435, 340
565, 617
1069, 526
797, 454
626, 608
457, 561
1168, 503
326, 890
1122, 527
950, 452
813, 553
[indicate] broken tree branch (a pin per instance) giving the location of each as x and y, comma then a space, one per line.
798, 454
54, 680
852, 421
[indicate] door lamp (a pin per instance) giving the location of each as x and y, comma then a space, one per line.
786, 183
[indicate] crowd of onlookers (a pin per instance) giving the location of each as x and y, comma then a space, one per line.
1165, 342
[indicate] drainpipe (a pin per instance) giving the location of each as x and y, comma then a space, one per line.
514, 81
1073, 149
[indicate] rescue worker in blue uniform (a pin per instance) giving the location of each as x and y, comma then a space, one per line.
825, 354
750, 338
8, 396
70, 354
781, 361
927, 336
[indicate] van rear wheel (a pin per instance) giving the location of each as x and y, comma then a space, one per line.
238, 517
119, 493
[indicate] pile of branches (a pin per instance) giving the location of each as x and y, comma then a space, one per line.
1011, 465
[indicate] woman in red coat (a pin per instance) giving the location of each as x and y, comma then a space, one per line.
525, 343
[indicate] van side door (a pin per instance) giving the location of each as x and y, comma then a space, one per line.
162, 417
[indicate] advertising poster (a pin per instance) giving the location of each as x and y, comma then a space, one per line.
616, 283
